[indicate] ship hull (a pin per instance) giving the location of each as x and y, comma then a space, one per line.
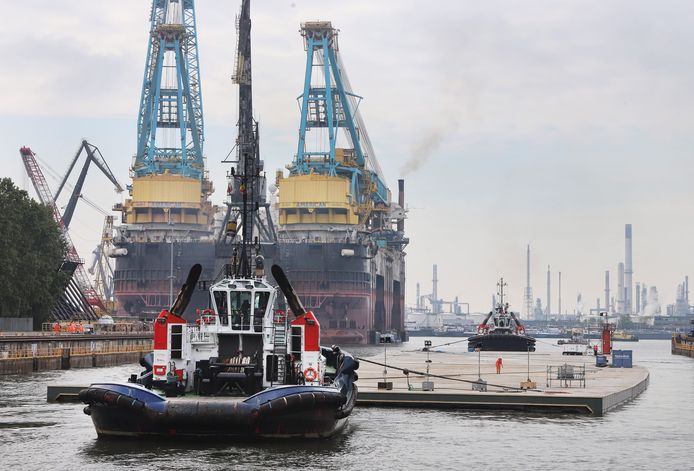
141, 278
126, 411
682, 345
501, 343
354, 297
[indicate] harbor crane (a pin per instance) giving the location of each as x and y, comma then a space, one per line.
80, 298
93, 155
329, 104
171, 99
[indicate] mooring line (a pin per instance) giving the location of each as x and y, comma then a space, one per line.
420, 373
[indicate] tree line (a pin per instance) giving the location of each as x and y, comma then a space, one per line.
31, 251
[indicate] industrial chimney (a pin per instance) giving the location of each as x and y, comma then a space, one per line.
686, 289
607, 290
528, 289
418, 301
401, 202
549, 293
435, 291
628, 271
559, 307
620, 288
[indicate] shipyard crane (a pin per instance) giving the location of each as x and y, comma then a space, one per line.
331, 105
93, 154
248, 211
79, 297
170, 128
101, 267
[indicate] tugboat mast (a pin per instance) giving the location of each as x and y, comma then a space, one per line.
246, 189
501, 285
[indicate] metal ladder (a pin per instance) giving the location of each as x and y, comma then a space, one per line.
280, 349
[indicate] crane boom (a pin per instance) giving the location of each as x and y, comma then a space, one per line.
93, 155
171, 100
73, 264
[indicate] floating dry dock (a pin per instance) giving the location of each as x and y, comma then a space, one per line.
581, 388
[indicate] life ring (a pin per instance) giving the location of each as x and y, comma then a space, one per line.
310, 374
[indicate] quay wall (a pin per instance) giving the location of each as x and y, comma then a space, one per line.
26, 354
618, 398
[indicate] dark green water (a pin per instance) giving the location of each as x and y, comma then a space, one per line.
656, 431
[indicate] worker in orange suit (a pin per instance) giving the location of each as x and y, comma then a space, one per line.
499, 364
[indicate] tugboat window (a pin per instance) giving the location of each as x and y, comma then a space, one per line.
259, 307
240, 310
220, 300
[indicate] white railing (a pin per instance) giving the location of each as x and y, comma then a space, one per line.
195, 335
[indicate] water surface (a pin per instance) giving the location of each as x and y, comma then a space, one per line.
655, 431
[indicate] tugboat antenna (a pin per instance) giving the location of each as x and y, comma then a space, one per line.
501, 285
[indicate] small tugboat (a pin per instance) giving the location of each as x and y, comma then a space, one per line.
241, 370
501, 331
624, 336
577, 344
577, 338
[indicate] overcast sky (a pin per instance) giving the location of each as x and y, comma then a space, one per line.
513, 122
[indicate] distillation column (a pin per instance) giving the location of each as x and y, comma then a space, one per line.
628, 271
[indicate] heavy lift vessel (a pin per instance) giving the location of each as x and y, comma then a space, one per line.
168, 221
340, 236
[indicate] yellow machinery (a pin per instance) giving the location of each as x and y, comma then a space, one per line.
316, 199
169, 198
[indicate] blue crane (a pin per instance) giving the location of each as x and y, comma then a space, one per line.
331, 105
170, 130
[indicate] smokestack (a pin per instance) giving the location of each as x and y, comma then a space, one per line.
637, 301
559, 308
528, 290
549, 293
686, 289
620, 288
628, 271
607, 290
435, 290
401, 202
644, 297
418, 303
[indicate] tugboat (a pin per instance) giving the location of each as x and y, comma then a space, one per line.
577, 338
241, 370
624, 336
501, 330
